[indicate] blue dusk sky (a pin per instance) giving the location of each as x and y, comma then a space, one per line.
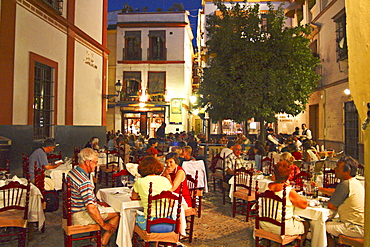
191, 5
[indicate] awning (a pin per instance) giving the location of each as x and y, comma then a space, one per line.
290, 10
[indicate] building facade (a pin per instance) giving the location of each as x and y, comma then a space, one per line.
151, 57
54, 68
331, 113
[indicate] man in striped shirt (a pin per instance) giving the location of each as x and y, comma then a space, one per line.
85, 207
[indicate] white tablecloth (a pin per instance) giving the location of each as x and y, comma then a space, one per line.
56, 174
318, 217
122, 203
190, 167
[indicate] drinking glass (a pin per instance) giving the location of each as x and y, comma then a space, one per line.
124, 180
309, 190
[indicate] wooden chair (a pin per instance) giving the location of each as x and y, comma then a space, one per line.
330, 181
110, 166
52, 157
191, 212
350, 241
218, 173
76, 151
117, 174
69, 229
163, 206
361, 170
243, 197
40, 184
267, 165
25, 165
14, 211
267, 204
6, 169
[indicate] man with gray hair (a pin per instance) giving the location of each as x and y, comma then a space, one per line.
85, 206
39, 157
348, 198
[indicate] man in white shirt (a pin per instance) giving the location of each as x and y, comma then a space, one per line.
228, 150
348, 198
306, 133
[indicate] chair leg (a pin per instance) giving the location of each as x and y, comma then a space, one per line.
214, 184
22, 238
257, 240
200, 206
234, 207
223, 195
192, 218
98, 239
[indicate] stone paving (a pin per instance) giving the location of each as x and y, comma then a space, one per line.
216, 227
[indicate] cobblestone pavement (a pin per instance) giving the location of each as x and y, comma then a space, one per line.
215, 228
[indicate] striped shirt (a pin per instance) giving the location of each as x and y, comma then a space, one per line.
82, 190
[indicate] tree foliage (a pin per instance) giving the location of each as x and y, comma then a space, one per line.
258, 67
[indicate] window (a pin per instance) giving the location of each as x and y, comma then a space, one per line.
55, 4
156, 85
132, 50
341, 38
132, 84
157, 45
43, 101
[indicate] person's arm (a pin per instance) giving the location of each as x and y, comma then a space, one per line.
180, 177
297, 200
95, 214
135, 195
339, 195
272, 139
328, 191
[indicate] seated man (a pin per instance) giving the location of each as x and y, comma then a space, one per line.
349, 199
186, 154
233, 159
85, 207
40, 157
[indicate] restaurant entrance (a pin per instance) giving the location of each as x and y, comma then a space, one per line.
145, 123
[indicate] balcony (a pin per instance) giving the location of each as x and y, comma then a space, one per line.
132, 55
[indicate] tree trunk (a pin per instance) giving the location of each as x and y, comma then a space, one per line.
262, 136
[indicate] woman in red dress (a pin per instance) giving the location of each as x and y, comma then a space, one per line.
176, 175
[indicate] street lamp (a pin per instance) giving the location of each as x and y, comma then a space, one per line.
118, 88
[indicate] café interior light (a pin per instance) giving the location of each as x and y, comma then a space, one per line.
347, 91
193, 99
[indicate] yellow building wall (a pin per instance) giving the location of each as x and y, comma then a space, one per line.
358, 40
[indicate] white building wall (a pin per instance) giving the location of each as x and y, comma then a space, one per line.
37, 36
87, 87
88, 17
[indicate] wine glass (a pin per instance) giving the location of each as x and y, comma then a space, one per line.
124, 180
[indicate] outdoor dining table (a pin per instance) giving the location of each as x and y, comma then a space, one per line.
318, 216
119, 199
35, 209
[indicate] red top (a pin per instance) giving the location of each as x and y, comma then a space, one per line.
152, 151
185, 189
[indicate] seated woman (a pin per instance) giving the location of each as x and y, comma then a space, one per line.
310, 153
176, 175
151, 170
293, 226
294, 169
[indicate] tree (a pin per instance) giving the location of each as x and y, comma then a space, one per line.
177, 7
127, 8
258, 67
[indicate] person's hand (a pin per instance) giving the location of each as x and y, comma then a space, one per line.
108, 227
314, 184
